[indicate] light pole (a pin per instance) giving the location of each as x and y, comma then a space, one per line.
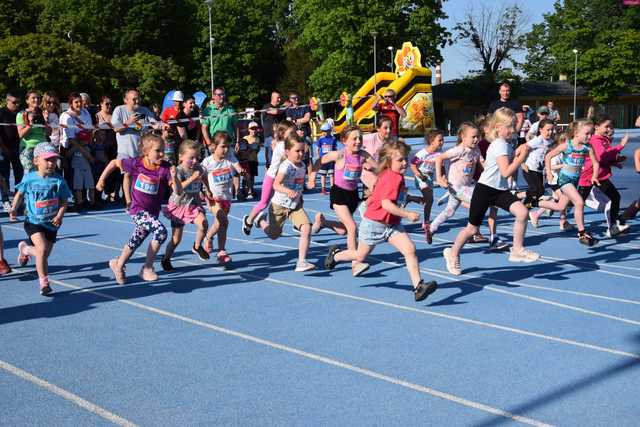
575, 83
375, 71
390, 49
209, 3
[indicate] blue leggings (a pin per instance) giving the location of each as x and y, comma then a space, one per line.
146, 224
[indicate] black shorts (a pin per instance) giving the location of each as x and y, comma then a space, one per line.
253, 168
340, 196
484, 197
31, 229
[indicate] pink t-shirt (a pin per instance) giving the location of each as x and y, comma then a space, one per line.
371, 143
462, 165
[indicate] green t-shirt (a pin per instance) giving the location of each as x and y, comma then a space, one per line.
222, 119
35, 136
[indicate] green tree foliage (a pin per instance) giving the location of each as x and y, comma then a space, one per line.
604, 32
150, 74
45, 62
17, 17
338, 37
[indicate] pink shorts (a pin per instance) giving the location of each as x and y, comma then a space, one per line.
182, 214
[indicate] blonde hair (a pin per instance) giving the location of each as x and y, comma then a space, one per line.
147, 140
292, 140
387, 151
501, 117
219, 137
463, 128
576, 125
188, 144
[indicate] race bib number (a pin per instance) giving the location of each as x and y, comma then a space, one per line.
221, 176
147, 185
327, 148
46, 209
352, 172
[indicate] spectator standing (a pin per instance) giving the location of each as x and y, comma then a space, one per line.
389, 108
299, 114
129, 121
31, 129
219, 116
272, 114
10, 140
191, 113
106, 149
554, 115
51, 103
504, 91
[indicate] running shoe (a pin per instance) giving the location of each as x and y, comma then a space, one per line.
566, 226
118, 273
423, 290
622, 225
246, 226
453, 263
525, 255
148, 274
45, 289
23, 258
6, 205
359, 268
586, 238
302, 266
498, 244
166, 265
223, 257
427, 232
329, 261
202, 254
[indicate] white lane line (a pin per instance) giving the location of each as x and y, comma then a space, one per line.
316, 357
524, 332
445, 275
66, 395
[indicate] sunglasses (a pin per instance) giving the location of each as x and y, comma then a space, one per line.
253, 128
388, 97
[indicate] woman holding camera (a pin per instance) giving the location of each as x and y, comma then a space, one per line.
31, 129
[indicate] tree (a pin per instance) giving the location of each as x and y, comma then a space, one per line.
45, 62
338, 37
494, 34
18, 17
606, 36
152, 75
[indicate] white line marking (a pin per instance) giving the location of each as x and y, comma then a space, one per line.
395, 306
66, 395
319, 358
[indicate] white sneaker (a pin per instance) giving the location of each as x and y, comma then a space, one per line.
453, 263
359, 268
524, 255
622, 227
258, 218
302, 266
6, 205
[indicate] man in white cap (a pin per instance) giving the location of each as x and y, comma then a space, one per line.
175, 113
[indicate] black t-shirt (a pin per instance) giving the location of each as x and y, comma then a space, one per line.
269, 119
512, 104
9, 134
297, 113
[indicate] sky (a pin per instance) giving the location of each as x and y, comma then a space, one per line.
456, 57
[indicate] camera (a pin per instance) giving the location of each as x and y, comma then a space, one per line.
37, 118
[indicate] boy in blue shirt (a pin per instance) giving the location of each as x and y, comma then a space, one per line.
45, 194
324, 145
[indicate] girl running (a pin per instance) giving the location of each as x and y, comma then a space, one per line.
575, 152
607, 156
533, 167
344, 198
46, 195
187, 207
219, 170
150, 176
381, 221
423, 165
492, 189
284, 129
287, 200
463, 160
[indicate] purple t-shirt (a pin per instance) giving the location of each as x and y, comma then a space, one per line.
147, 185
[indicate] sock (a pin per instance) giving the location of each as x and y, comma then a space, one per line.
44, 281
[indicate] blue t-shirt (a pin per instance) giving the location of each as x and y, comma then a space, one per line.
43, 196
326, 144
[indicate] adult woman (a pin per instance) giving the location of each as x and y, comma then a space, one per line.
51, 105
106, 147
31, 129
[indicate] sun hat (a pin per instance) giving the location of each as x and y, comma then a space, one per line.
45, 150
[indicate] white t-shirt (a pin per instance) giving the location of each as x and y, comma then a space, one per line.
533, 132
56, 132
491, 176
219, 176
128, 139
294, 180
539, 147
276, 159
70, 132
426, 164
555, 161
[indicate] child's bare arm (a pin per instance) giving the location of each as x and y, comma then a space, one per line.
108, 170
17, 202
57, 220
391, 207
281, 188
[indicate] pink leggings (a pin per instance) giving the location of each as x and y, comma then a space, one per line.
266, 192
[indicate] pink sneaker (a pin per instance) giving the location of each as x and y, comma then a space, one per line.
23, 258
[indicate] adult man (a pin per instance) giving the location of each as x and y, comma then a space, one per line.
86, 104
505, 94
299, 114
129, 121
10, 141
272, 114
388, 108
553, 113
218, 115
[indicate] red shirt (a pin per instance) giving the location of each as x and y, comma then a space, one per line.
390, 186
389, 110
169, 113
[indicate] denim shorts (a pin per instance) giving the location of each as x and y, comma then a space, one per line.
373, 232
